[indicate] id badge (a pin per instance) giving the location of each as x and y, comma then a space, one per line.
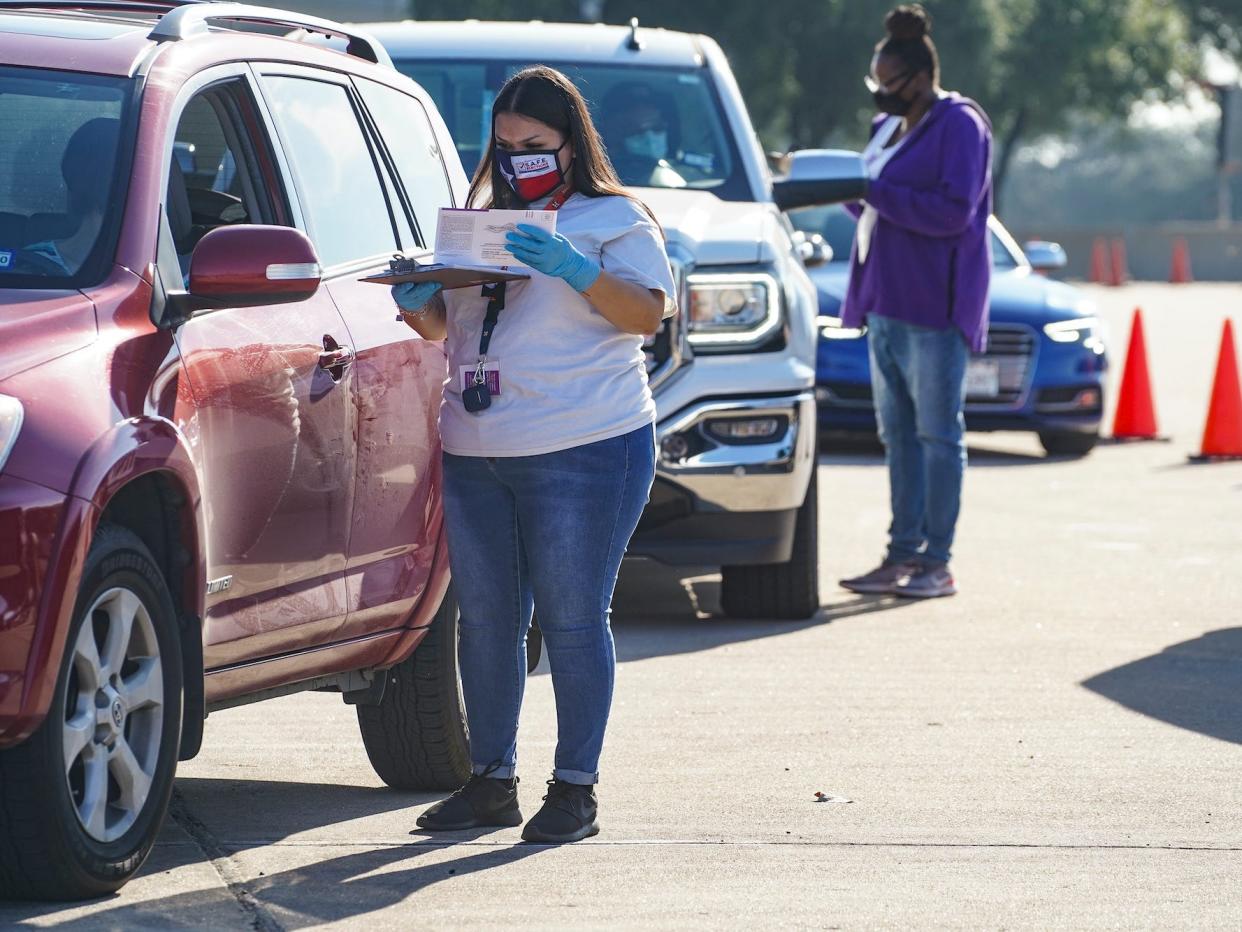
491, 376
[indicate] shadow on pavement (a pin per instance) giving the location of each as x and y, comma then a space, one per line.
989, 458
863, 450
169, 854
251, 813
248, 814
1196, 685
341, 889
659, 610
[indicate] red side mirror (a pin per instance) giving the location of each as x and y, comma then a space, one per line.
248, 265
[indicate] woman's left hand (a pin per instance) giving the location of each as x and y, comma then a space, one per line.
552, 254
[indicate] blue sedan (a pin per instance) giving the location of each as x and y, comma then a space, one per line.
1044, 367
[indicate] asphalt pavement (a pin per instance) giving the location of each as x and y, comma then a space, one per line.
1059, 746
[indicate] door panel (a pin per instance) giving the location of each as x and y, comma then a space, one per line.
274, 435
398, 383
357, 219
272, 431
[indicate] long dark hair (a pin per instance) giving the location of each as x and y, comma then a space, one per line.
908, 39
544, 94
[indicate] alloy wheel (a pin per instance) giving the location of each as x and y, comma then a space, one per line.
114, 714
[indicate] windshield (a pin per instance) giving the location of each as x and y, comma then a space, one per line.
663, 127
836, 226
57, 159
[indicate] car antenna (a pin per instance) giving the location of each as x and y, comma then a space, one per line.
635, 43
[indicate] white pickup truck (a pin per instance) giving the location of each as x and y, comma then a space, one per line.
734, 373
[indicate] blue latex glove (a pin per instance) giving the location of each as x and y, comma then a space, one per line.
552, 254
410, 296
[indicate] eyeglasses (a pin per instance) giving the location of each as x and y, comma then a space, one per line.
875, 87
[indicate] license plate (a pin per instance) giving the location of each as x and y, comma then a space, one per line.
982, 378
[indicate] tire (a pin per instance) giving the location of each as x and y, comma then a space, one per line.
80, 825
780, 591
416, 736
1068, 443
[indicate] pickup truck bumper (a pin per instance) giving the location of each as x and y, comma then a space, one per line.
730, 476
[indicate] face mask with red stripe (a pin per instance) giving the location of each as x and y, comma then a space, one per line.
532, 173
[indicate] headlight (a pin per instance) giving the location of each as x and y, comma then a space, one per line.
11, 414
831, 328
1072, 331
733, 309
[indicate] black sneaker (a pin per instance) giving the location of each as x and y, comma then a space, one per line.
930, 582
883, 580
484, 802
568, 814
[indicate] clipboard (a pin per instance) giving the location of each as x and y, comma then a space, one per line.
401, 269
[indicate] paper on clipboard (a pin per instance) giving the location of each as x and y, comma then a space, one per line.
477, 237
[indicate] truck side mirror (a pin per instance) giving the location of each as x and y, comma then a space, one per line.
820, 176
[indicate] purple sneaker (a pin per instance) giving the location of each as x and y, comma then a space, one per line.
882, 580
928, 582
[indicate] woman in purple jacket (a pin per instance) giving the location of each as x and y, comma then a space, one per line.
921, 268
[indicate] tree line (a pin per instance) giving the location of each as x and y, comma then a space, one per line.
1034, 65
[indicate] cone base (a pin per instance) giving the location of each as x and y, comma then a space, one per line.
1120, 440
1198, 458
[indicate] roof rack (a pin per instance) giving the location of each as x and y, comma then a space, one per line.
191, 17
634, 44
181, 19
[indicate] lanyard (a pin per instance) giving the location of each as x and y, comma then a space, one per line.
495, 294
559, 198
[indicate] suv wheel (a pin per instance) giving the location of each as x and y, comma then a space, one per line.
1068, 443
416, 736
82, 800
781, 591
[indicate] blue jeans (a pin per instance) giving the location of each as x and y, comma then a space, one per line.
918, 379
549, 532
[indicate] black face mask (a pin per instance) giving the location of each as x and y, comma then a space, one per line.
892, 102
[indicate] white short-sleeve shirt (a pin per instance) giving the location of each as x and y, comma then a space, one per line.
567, 375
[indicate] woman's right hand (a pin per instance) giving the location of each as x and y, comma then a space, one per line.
410, 296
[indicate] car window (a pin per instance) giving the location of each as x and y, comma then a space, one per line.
407, 133
338, 186
213, 176
60, 184
663, 127
836, 226
1002, 258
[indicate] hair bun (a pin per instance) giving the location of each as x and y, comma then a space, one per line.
908, 22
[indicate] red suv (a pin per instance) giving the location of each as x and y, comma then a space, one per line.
219, 459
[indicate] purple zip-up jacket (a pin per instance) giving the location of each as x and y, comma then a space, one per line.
930, 261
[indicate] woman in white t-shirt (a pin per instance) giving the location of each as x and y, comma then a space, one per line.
549, 447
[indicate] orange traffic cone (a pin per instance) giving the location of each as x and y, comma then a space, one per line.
1136, 412
1120, 274
1222, 435
1179, 271
1101, 268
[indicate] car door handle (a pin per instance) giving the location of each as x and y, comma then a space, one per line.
335, 358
